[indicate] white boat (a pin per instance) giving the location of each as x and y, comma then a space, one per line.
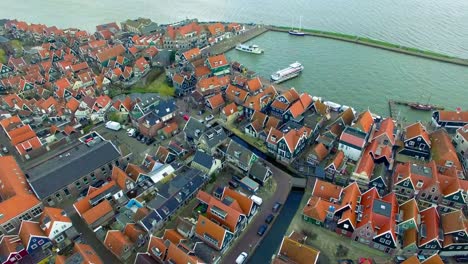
285, 74
297, 32
249, 48
333, 106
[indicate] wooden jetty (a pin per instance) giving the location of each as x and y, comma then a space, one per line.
393, 111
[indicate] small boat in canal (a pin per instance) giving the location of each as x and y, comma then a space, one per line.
249, 48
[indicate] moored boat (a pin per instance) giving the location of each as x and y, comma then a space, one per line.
288, 73
333, 106
249, 48
424, 107
297, 32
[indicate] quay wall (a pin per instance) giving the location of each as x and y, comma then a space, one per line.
378, 44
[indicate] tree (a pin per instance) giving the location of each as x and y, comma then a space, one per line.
3, 58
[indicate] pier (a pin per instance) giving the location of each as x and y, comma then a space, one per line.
392, 105
379, 44
230, 43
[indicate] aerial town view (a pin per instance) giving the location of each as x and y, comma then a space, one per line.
205, 132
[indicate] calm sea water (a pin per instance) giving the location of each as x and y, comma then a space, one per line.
354, 75
440, 25
359, 76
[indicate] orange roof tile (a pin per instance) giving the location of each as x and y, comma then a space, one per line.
202, 71
430, 218
73, 104
298, 252
326, 190
234, 92
133, 171
173, 236
293, 136
120, 177
192, 53
461, 116
28, 229
317, 208
442, 149
415, 130
177, 255
53, 215
21, 134
434, 259
88, 254
97, 212
279, 105
274, 135
216, 101
110, 53
291, 95
410, 237
245, 202
321, 151
28, 145
158, 243
386, 128
254, 84
133, 232
170, 128
410, 210
217, 61
230, 109
365, 122
351, 194
337, 160
454, 222
116, 241
366, 164
206, 226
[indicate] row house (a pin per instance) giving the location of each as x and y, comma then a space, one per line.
444, 153
82, 252
186, 36
429, 187
218, 64
230, 112
297, 110
460, 141
416, 142
450, 119
287, 144
217, 33
354, 138
215, 103
183, 82
170, 248
236, 94
58, 228
240, 156
282, 102
212, 85
260, 101
189, 55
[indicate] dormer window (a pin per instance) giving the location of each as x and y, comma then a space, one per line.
420, 184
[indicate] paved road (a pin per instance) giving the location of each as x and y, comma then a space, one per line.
249, 238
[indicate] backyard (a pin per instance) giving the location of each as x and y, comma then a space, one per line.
332, 246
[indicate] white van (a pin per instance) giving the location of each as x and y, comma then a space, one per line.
256, 200
113, 125
241, 258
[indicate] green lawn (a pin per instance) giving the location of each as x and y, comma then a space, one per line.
159, 85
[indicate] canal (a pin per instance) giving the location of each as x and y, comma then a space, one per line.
271, 242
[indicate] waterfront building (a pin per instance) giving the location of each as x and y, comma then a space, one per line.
450, 119
443, 152
417, 143
183, 82
460, 141
141, 25
282, 102
286, 144
218, 64
185, 35
354, 138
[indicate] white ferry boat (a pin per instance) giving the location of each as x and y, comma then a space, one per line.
249, 48
285, 74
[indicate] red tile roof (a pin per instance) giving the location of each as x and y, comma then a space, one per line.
430, 218
206, 226
141, 64
21, 134
216, 101
234, 92
352, 139
192, 53
294, 136
73, 104
443, 151
297, 252
415, 130
337, 160
201, 71
320, 151
326, 190
316, 208
53, 215
87, 253
230, 109
116, 242
366, 164
110, 53
217, 61
63, 83
461, 116
454, 222
386, 129
254, 84
244, 202
365, 122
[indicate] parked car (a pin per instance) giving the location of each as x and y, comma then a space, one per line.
186, 117
462, 259
143, 139
149, 141
209, 118
241, 258
233, 184
262, 229
139, 137
236, 178
131, 132
276, 207
269, 218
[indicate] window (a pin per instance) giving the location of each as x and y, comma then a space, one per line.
34, 246
93, 177
9, 227
103, 169
419, 139
58, 196
66, 191
382, 240
25, 216
456, 197
406, 183
459, 247
78, 185
36, 211
388, 242
85, 180
346, 226
411, 143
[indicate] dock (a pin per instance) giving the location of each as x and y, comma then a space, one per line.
229, 44
392, 109
393, 103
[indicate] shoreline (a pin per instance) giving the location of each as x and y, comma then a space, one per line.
426, 54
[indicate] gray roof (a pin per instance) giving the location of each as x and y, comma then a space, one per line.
382, 208
193, 129
64, 169
203, 159
422, 170
239, 152
259, 171
215, 136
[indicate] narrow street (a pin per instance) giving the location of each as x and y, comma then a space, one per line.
249, 240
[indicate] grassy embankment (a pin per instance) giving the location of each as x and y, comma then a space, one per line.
358, 39
154, 82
